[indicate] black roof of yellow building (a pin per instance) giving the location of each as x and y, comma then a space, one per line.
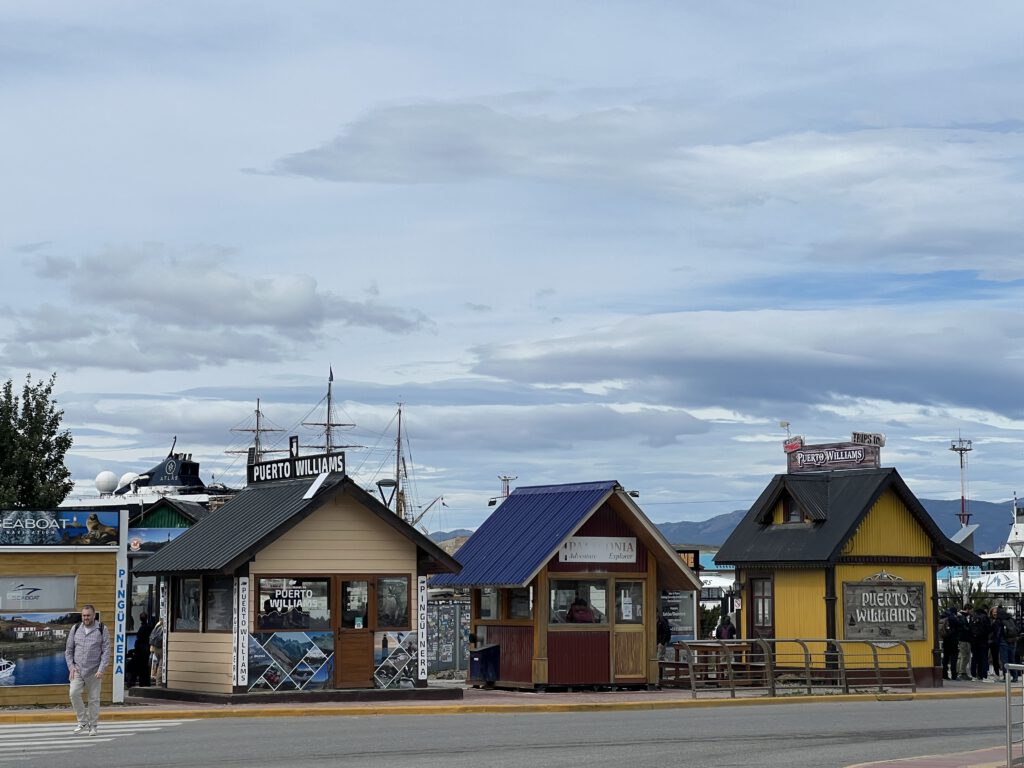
835, 502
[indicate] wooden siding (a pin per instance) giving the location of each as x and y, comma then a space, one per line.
629, 653
516, 651
777, 513
889, 529
604, 522
920, 650
578, 658
199, 662
96, 572
799, 603
341, 537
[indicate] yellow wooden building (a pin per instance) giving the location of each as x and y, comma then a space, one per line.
846, 554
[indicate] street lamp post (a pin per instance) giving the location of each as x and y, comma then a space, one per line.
1016, 545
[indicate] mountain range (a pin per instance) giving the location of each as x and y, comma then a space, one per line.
994, 521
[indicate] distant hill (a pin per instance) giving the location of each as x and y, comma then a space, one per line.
440, 536
994, 520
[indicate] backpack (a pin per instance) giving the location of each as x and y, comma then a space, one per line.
945, 630
1010, 632
979, 626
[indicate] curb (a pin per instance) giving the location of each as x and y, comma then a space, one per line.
229, 711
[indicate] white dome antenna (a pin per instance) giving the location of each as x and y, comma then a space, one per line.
106, 482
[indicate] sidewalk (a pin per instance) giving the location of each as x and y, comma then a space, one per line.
477, 700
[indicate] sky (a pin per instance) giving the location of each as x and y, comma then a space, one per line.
577, 241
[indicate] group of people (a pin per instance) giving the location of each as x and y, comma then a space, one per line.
143, 661
976, 640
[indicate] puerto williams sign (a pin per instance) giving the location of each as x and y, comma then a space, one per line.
875, 611
822, 458
295, 467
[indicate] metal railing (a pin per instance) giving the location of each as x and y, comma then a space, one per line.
1014, 714
784, 665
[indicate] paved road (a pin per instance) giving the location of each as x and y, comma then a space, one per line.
777, 736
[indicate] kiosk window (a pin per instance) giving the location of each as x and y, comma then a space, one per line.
488, 603
187, 597
520, 603
355, 602
217, 608
392, 601
294, 604
629, 602
577, 601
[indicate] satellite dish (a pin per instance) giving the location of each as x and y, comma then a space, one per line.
127, 478
106, 482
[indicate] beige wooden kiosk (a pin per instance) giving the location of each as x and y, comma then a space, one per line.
306, 584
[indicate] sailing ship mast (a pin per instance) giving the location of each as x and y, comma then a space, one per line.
329, 423
257, 442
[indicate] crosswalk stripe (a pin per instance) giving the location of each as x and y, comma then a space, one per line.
27, 741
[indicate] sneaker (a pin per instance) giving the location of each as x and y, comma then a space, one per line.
79, 729
92, 731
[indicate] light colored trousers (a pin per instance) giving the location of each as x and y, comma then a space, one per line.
963, 662
87, 715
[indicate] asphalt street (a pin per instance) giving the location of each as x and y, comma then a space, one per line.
777, 736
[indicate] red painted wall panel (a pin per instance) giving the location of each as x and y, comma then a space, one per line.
516, 652
578, 658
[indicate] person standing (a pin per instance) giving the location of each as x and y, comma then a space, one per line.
142, 650
88, 656
156, 650
963, 636
980, 627
995, 634
948, 626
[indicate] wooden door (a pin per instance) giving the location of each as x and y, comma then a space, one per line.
629, 632
353, 649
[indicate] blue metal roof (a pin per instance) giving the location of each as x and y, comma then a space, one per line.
523, 533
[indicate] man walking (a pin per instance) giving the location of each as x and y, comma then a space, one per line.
87, 655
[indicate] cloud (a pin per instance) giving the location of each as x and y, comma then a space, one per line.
147, 308
787, 357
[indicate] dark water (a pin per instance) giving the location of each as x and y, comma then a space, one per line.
38, 670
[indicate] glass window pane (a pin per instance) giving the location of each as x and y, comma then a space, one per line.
217, 608
355, 602
488, 603
520, 603
629, 602
579, 601
392, 601
294, 604
186, 605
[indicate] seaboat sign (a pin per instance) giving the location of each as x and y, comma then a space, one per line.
295, 467
822, 458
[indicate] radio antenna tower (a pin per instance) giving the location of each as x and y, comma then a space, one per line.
962, 447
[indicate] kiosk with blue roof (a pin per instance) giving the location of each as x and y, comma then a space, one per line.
565, 583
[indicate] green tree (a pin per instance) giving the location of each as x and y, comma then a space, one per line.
32, 447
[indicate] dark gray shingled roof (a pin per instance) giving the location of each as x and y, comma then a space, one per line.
253, 518
836, 502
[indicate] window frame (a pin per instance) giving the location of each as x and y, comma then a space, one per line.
205, 583
176, 591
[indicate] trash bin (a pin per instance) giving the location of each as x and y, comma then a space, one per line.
485, 663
